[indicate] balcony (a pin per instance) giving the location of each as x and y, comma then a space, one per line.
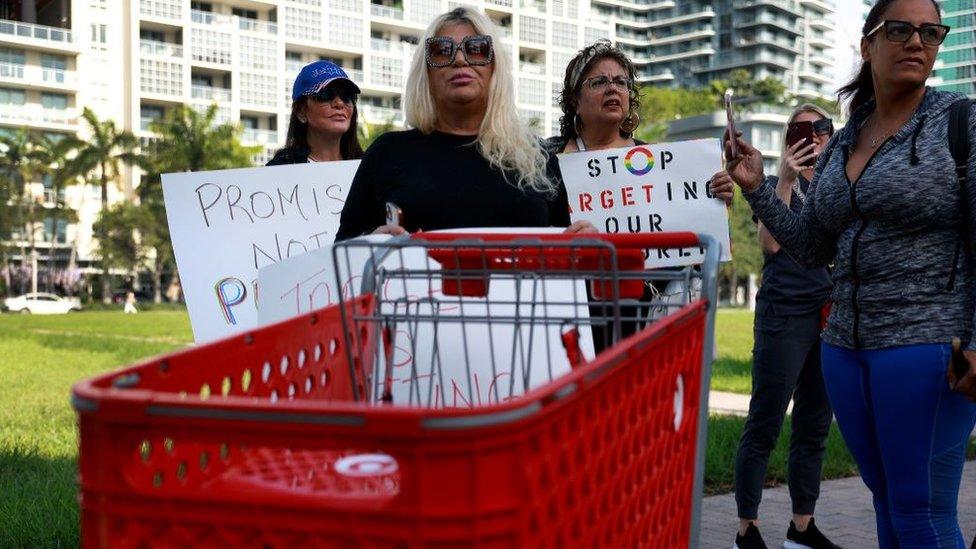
532, 68
145, 123
255, 25
160, 49
792, 26
735, 59
815, 76
52, 36
640, 5
789, 6
37, 76
210, 18
700, 34
36, 115
387, 12
257, 136
823, 24
706, 13
382, 45
381, 115
209, 93
823, 6
533, 5
649, 77
164, 9
768, 40
356, 75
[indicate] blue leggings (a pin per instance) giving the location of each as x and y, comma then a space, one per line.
908, 432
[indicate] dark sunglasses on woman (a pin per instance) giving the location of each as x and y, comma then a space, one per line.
824, 126
328, 93
441, 51
931, 34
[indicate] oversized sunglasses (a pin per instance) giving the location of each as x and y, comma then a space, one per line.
441, 51
931, 34
824, 126
328, 93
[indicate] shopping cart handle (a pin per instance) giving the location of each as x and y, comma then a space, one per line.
641, 240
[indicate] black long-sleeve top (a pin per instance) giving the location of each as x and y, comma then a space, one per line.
441, 181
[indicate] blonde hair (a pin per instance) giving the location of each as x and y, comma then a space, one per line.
806, 107
504, 140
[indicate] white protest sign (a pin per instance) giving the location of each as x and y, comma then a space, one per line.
225, 225
430, 365
650, 188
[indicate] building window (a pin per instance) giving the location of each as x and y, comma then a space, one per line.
162, 77
99, 35
210, 46
12, 56
258, 89
532, 29
245, 14
346, 31
564, 34
303, 24
12, 97
54, 101
532, 91
258, 53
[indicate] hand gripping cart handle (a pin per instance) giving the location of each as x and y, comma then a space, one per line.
281, 436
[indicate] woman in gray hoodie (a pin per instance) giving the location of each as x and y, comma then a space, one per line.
885, 207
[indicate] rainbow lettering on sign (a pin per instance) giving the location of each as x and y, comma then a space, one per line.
230, 293
629, 161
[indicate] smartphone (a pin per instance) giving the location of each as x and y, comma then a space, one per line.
394, 215
730, 114
959, 363
798, 131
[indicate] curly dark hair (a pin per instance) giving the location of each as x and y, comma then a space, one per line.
573, 82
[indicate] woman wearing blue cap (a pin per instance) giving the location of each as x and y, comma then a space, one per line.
323, 117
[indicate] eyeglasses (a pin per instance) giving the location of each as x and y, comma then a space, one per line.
328, 93
824, 126
441, 51
600, 83
931, 34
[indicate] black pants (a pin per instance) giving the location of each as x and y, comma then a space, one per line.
785, 365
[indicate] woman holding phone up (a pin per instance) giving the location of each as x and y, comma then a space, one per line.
887, 207
786, 356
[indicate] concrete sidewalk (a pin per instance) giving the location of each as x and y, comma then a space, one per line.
845, 511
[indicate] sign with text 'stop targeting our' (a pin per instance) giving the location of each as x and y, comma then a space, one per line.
226, 225
647, 189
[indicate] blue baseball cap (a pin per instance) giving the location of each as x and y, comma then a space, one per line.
315, 76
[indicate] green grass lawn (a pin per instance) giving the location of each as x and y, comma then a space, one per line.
41, 357
732, 370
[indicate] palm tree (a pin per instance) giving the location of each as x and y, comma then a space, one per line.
105, 150
19, 165
58, 158
188, 140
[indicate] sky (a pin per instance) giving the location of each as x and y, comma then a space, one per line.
850, 19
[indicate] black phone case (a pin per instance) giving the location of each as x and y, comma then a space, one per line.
959, 363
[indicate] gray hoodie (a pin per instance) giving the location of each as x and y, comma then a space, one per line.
891, 235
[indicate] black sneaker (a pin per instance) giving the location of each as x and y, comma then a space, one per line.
752, 539
811, 538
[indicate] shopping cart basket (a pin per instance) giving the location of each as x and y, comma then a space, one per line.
293, 434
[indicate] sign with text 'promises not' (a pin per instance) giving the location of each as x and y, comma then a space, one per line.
226, 225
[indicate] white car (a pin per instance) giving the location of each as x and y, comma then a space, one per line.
42, 304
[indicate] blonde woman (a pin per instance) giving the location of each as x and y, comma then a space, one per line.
468, 161
786, 356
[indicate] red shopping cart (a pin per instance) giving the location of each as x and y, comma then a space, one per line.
316, 432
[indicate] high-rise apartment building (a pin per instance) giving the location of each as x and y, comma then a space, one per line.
956, 67
134, 60
690, 43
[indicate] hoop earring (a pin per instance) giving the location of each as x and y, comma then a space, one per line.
303, 120
577, 123
630, 123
